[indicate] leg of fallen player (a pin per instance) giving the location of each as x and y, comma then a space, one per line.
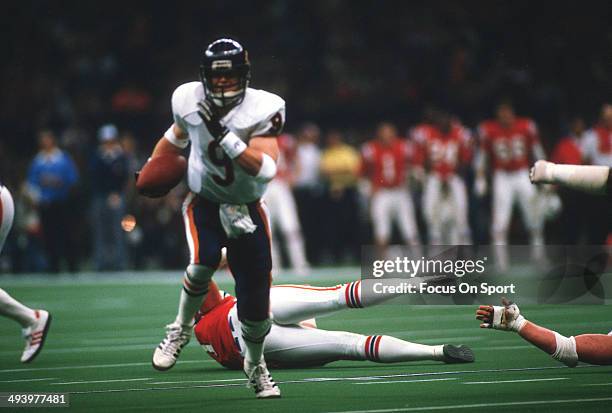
297, 346
588, 348
290, 304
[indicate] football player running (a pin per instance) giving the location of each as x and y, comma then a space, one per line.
295, 340
233, 130
35, 323
588, 348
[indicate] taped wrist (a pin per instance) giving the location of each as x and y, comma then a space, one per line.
267, 170
173, 139
566, 350
255, 331
196, 279
232, 145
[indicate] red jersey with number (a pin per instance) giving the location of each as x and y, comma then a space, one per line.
214, 333
442, 153
385, 164
509, 148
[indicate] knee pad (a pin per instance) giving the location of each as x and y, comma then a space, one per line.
255, 331
197, 278
566, 350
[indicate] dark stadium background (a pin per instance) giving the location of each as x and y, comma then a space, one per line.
73, 66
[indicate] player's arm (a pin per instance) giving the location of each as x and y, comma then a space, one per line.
258, 158
588, 178
173, 142
589, 348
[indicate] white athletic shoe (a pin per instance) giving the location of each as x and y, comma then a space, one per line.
169, 349
35, 336
261, 380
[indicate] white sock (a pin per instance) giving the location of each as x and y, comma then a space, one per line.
254, 334
386, 349
15, 310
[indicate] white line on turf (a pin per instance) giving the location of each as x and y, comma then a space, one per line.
98, 366
515, 381
100, 381
477, 405
196, 381
28, 380
597, 384
323, 379
407, 381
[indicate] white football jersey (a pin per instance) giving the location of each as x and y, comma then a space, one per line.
211, 173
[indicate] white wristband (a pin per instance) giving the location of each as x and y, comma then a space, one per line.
173, 139
232, 145
267, 170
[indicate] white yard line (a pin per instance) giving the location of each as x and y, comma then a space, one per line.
597, 384
406, 381
515, 381
197, 381
100, 381
28, 380
477, 405
97, 366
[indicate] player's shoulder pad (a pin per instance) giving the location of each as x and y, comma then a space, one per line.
262, 104
262, 113
185, 100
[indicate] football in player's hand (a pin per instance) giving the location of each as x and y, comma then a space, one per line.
160, 174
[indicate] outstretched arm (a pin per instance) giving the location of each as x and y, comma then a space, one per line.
588, 178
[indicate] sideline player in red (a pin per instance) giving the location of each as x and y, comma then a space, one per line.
509, 144
385, 162
442, 148
295, 340
35, 323
588, 348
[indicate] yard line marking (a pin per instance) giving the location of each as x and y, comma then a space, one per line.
197, 381
597, 384
97, 349
100, 381
477, 405
315, 380
406, 381
100, 366
515, 381
27, 380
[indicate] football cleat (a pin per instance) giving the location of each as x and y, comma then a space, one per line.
457, 354
261, 381
35, 336
169, 349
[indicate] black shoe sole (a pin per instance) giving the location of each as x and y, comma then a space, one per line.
457, 354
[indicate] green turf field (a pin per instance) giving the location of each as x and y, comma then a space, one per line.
103, 334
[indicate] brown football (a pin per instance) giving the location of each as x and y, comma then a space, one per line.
160, 174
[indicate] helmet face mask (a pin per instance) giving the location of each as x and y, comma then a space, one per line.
225, 58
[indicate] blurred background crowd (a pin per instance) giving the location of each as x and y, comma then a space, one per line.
86, 88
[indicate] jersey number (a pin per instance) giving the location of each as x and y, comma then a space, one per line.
219, 158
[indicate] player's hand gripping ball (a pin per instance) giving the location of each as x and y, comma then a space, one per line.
160, 174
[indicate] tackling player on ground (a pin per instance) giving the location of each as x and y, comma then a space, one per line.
35, 323
233, 130
295, 340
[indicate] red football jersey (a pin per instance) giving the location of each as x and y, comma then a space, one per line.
567, 151
385, 165
442, 153
509, 148
213, 331
604, 139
